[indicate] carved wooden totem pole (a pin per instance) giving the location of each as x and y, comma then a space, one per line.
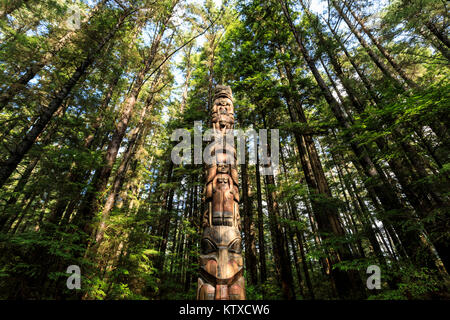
221, 263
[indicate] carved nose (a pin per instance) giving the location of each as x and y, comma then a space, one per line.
222, 264
224, 267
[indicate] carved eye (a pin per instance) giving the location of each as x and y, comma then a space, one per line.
208, 246
235, 246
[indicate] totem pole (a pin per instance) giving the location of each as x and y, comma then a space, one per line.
221, 263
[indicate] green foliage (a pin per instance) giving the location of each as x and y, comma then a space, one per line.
415, 284
331, 209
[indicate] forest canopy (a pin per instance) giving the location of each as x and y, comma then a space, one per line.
92, 90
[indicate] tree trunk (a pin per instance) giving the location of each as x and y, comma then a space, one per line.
282, 261
8, 167
249, 236
18, 86
99, 187
383, 51
135, 141
411, 239
327, 218
364, 79
440, 34
261, 241
77, 176
383, 68
166, 218
294, 216
352, 95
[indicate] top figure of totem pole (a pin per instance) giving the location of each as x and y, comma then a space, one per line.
221, 263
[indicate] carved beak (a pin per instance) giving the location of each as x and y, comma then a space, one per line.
223, 269
226, 269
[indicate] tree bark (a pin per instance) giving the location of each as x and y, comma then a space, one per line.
282, 261
261, 240
249, 236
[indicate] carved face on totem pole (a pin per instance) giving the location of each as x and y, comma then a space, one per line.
221, 263
223, 111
